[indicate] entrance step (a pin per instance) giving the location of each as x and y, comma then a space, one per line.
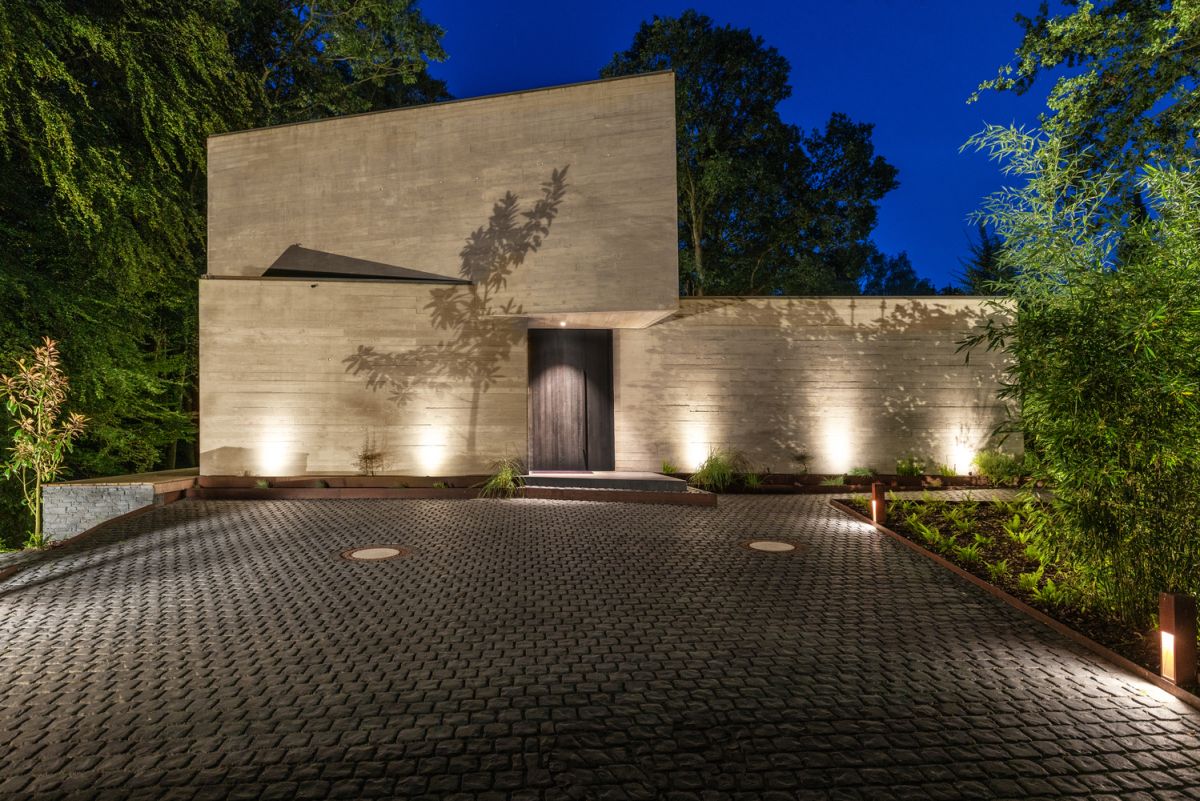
605, 480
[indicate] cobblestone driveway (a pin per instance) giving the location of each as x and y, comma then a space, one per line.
549, 650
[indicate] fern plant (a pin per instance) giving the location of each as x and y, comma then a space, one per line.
997, 571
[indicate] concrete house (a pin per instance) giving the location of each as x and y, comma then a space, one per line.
448, 284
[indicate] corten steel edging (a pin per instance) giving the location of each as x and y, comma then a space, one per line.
1107, 654
460, 493
317, 493
620, 496
341, 481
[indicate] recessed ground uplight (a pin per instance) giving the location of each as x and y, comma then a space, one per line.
375, 553
769, 546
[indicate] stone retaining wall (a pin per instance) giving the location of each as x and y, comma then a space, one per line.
70, 509
73, 507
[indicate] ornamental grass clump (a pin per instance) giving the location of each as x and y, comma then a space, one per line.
719, 471
505, 479
34, 397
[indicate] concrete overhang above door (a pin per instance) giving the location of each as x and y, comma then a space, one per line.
633, 318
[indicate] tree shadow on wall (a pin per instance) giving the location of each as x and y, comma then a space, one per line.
872, 375
940, 371
478, 340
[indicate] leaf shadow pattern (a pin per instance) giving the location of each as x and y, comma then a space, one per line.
476, 344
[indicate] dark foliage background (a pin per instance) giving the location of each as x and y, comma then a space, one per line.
104, 112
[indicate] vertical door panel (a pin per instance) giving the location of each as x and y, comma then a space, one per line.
598, 367
570, 398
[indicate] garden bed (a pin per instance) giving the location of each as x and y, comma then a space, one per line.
995, 542
837, 483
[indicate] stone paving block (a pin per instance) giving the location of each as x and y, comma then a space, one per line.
549, 650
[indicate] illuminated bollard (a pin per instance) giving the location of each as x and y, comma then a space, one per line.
1177, 624
879, 503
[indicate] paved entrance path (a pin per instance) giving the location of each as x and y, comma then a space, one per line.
549, 650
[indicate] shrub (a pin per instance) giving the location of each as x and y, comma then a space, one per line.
833, 481
262, 483
911, 465
1101, 329
35, 396
371, 457
999, 467
669, 467
861, 471
505, 479
752, 480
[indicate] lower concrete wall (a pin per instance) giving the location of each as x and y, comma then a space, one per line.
296, 376
300, 377
70, 509
835, 383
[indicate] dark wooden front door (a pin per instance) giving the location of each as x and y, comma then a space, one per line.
570, 400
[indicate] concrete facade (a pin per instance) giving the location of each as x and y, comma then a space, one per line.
841, 382
299, 377
295, 377
559, 207
440, 188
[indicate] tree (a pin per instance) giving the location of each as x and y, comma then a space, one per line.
893, 275
1128, 90
104, 112
1102, 327
34, 396
983, 273
310, 60
763, 207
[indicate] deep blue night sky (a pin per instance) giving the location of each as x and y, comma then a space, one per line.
908, 66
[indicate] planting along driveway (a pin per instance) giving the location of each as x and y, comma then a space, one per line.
549, 650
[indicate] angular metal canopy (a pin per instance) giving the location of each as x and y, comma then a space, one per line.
301, 262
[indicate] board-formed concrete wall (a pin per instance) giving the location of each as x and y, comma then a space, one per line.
848, 382
419, 188
296, 377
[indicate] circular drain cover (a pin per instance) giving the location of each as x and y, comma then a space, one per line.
770, 546
374, 553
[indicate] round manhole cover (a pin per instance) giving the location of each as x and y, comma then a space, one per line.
770, 546
375, 553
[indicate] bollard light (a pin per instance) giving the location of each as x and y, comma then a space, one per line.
878, 503
1177, 633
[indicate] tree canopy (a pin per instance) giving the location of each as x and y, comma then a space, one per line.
764, 208
893, 275
1100, 263
104, 112
1127, 90
983, 273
